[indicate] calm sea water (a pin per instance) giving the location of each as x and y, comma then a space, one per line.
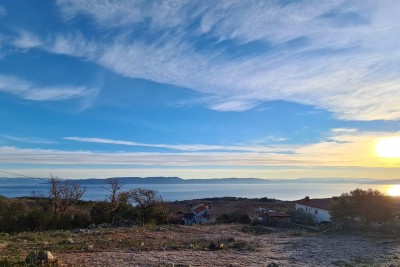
172, 192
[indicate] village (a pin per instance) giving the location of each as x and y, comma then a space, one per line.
302, 212
225, 231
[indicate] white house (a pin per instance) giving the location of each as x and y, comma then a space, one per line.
201, 213
317, 208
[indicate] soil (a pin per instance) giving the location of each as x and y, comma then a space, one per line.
283, 247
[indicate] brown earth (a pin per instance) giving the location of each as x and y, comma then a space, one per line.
188, 246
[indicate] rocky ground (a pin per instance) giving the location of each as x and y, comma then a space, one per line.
189, 246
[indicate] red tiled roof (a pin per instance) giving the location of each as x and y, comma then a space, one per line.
315, 203
199, 209
277, 214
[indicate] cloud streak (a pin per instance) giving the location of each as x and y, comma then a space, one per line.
27, 90
340, 56
348, 150
30, 140
194, 147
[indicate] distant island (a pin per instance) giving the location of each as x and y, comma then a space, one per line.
178, 180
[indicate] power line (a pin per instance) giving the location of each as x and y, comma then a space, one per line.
21, 175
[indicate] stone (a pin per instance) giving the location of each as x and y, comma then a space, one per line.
70, 241
79, 231
272, 264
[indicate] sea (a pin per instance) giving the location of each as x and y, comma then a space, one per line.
176, 192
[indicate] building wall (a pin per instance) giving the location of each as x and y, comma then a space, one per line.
319, 215
200, 219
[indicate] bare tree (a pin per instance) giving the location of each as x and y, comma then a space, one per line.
114, 187
63, 194
148, 202
117, 199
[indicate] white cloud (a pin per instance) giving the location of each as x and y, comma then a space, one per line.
339, 55
27, 90
194, 147
344, 130
349, 150
27, 40
31, 140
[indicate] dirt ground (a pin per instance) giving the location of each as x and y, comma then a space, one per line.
188, 246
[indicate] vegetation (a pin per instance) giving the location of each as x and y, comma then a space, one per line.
63, 194
301, 217
63, 208
149, 204
234, 217
256, 229
365, 206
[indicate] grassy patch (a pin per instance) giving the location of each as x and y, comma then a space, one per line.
256, 230
301, 233
356, 261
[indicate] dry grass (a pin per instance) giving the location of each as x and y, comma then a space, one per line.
160, 246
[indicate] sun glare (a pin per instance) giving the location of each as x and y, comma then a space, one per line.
394, 190
388, 147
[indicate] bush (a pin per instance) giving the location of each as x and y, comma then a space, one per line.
101, 213
234, 218
301, 217
256, 230
106, 212
366, 205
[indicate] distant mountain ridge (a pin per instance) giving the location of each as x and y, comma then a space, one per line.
178, 180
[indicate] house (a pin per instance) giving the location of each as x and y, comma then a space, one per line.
272, 215
188, 218
317, 208
201, 213
197, 214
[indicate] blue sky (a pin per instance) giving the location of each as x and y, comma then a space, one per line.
198, 89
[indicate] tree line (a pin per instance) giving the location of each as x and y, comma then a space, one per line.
63, 208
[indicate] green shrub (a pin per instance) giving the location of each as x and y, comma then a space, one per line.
234, 218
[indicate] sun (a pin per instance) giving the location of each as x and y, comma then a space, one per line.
394, 190
388, 147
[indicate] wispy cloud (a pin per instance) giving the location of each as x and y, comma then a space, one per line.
344, 130
26, 40
350, 150
3, 11
27, 90
339, 55
265, 140
31, 140
194, 147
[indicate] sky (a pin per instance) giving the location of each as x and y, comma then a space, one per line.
199, 89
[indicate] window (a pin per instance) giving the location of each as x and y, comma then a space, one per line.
316, 211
